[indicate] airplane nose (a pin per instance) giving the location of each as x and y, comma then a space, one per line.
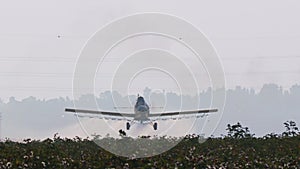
142, 109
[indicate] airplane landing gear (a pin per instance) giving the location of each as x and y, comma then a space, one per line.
127, 125
155, 126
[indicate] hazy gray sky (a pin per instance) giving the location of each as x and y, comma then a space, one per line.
257, 41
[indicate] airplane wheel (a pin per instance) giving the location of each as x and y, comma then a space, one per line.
127, 125
155, 126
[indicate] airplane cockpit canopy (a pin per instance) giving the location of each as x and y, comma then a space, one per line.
140, 100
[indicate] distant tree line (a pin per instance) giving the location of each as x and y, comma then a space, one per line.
261, 110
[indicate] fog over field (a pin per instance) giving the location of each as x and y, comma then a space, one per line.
263, 112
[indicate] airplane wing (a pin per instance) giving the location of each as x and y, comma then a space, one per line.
99, 114
190, 113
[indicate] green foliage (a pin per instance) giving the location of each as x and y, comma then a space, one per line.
271, 135
291, 129
237, 131
239, 149
59, 152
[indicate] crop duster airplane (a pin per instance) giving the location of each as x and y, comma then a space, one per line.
142, 114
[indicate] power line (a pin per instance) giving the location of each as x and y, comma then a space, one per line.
110, 75
43, 35
118, 59
275, 57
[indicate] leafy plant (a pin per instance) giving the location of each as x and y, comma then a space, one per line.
238, 131
291, 129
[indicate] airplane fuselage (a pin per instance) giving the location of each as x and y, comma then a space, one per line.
141, 110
